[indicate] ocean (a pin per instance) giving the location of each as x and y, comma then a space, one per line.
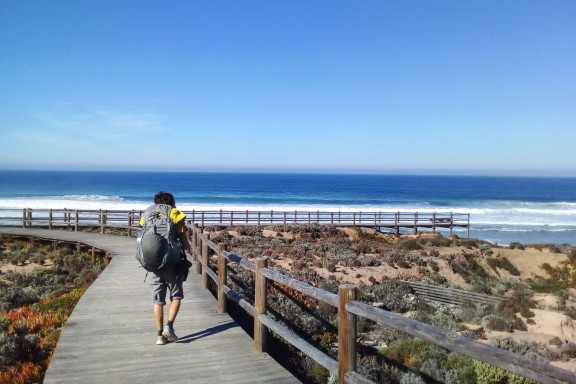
502, 209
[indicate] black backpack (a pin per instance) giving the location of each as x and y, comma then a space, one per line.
157, 247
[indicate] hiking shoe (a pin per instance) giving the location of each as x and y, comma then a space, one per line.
161, 340
169, 334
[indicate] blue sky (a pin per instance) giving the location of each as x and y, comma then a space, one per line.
429, 87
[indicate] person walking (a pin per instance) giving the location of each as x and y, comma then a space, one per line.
166, 280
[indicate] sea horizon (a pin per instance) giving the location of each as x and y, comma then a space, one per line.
503, 209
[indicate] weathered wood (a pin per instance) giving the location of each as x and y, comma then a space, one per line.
260, 294
222, 278
515, 363
204, 262
320, 357
307, 289
450, 295
247, 264
346, 332
235, 297
194, 243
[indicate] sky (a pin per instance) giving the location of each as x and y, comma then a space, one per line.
366, 86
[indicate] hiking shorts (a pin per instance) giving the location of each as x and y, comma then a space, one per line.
163, 281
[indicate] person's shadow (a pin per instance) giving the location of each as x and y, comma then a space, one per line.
207, 332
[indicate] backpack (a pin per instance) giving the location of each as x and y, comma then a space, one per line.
157, 246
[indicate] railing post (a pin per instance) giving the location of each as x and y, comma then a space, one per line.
415, 230
205, 262
346, 332
194, 242
75, 220
451, 222
24, 215
199, 255
434, 221
101, 221
50, 219
222, 278
260, 287
130, 221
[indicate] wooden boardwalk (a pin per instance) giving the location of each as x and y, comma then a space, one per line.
110, 336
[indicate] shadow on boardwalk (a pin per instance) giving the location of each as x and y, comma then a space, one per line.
110, 336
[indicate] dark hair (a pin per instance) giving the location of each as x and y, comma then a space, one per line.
164, 198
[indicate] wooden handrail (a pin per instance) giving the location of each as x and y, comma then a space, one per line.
129, 219
348, 309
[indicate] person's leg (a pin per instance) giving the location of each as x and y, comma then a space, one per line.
176, 295
173, 311
158, 288
159, 316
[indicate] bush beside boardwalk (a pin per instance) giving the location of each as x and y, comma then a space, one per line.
39, 287
535, 317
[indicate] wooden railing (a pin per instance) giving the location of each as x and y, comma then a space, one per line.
348, 310
345, 301
449, 295
75, 218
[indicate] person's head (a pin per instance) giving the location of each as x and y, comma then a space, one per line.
164, 198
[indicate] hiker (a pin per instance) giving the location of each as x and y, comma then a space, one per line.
165, 279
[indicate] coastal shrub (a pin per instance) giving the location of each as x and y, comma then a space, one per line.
523, 347
568, 351
408, 245
15, 348
503, 263
14, 297
445, 317
406, 351
469, 243
489, 374
486, 249
541, 285
438, 242
516, 245
395, 295
498, 323
411, 378
247, 230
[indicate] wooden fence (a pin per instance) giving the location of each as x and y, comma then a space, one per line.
395, 221
345, 301
348, 310
449, 295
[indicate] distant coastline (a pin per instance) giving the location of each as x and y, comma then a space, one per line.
502, 209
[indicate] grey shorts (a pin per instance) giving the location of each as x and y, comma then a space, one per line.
163, 281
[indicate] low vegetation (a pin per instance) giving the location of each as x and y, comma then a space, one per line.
386, 355
39, 287
34, 305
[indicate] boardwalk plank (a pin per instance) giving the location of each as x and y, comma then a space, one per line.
110, 336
